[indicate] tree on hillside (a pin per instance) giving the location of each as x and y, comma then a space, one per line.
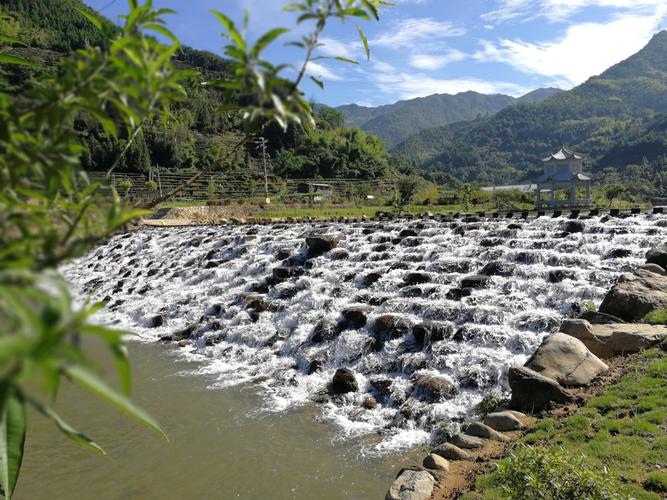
614, 192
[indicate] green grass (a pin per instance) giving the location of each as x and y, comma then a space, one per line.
624, 429
657, 317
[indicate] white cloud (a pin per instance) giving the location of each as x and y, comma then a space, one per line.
322, 72
559, 10
332, 47
412, 32
409, 86
430, 62
586, 49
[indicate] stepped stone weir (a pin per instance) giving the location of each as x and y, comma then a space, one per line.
395, 342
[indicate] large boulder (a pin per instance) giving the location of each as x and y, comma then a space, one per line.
503, 421
607, 340
532, 391
411, 485
416, 278
320, 244
574, 226
451, 452
567, 360
436, 462
465, 441
636, 295
433, 387
344, 381
483, 431
657, 255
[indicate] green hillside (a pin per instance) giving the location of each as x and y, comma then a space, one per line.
197, 131
396, 122
592, 118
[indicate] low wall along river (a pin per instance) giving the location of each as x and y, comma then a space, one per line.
428, 315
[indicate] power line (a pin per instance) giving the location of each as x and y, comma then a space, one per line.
108, 5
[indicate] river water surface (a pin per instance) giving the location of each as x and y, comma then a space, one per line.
219, 446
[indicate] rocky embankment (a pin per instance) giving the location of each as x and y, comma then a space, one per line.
571, 358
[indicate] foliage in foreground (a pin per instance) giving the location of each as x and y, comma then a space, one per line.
50, 212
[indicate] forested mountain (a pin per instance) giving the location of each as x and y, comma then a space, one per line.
197, 131
396, 122
604, 113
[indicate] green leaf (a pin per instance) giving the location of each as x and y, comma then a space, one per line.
228, 24
158, 28
344, 59
364, 40
66, 429
7, 59
12, 438
91, 382
318, 82
90, 16
266, 39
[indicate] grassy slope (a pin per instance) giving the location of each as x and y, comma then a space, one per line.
624, 429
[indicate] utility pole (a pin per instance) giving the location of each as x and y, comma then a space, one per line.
262, 142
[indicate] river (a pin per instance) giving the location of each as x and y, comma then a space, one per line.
220, 446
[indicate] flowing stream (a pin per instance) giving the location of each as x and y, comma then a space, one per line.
427, 314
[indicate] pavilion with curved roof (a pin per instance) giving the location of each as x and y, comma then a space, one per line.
564, 170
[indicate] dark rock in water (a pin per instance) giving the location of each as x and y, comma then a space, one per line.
574, 226
657, 255
598, 318
212, 264
157, 321
431, 331
533, 392
514, 226
498, 268
618, 253
295, 260
412, 242
454, 294
371, 278
152, 272
339, 254
527, 257
558, 275
413, 291
406, 233
326, 330
491, 242
382, 385
377, 301
416, 278
433, 387
320, 244
369, 403
344, 381
317, 362
283, 254
284, 272
382, 247
355, 317
256, 302
475, 281
183, 334
391, 326
446, 267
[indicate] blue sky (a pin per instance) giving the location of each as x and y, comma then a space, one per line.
423, 47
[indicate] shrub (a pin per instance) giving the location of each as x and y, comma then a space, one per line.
657, 317
490, 402
125, 185
656, 481
151, 186
531, 472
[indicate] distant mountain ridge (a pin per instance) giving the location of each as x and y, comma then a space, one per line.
396, 122
592, 118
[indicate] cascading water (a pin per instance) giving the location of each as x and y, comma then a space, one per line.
435, 312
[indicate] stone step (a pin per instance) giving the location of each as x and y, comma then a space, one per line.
503, 421
478, 429
451, 452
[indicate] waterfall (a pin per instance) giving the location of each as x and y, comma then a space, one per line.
437, 310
